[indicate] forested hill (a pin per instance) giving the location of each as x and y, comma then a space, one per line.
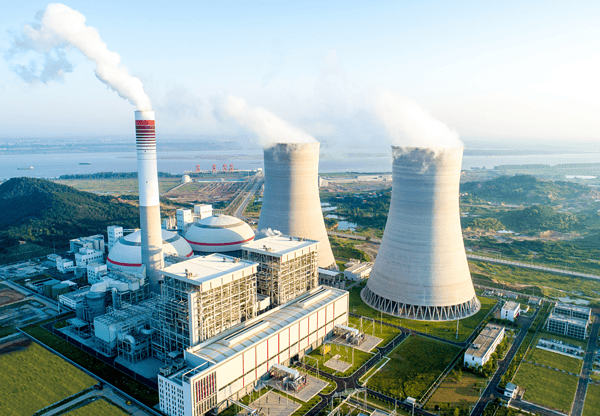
43, 212
525, 189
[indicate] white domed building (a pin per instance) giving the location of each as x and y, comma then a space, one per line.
218, 234
126, 254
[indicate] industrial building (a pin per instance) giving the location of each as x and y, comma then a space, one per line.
480, 351
93, 242
572, 311
291, 202
510, 311
358, 271
219, 234
288, 266
126, 254
200, 298
421, 270
114, 232
333, 278
233, 363
570, 327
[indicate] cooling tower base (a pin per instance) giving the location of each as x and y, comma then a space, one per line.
419, 312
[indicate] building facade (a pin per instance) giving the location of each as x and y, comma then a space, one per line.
510, 311
570, 327
481, 350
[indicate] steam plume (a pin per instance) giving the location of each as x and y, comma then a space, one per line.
407, 124
62, 27
269, 128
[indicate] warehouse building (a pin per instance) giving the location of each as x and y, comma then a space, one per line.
480, 351
288, 266
570, 327
358, 271
232, 364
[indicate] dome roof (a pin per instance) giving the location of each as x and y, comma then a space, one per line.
127, 252
218, 234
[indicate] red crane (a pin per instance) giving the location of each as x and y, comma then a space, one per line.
231, 167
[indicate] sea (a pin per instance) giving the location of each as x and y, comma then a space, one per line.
53, 165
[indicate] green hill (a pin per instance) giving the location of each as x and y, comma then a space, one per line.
42, 214
525, 189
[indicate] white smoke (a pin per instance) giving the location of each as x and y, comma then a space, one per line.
409, 125
267, 232
62, 27
269, 128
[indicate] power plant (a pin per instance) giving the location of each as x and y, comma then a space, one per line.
145, 138
421, 270
291, 202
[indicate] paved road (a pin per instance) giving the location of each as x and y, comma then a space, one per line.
491, 390
534, 408
584, 378
239, 212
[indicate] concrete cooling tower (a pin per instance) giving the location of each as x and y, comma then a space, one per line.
291, 202
145, 139
421, 270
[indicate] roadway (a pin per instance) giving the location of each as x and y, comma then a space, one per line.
588, 361
239, 212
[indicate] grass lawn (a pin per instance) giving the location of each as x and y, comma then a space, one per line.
592, 401
34, 378
345, 354
446, 330
547, 387
552, 359
414, 365
386, 333
453, 393
98, 407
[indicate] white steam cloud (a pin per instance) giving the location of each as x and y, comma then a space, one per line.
269, 128
409, 125
60, 28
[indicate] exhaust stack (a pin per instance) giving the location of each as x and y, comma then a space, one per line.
421, 270
152, 255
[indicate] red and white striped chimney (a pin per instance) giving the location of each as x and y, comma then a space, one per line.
145, 138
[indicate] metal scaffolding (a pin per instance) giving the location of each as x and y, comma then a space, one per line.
284, 281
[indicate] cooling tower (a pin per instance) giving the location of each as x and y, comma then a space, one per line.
421, 269
291, 202
145, 139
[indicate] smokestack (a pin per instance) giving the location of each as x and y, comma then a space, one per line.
421, 270
291, 202
145, 138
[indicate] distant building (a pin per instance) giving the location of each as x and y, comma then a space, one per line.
65, 265
570, 327
358, 271
94, 269
86, 255
510, 311
331, 278
115, 233
480, 351
572, 311
93, 242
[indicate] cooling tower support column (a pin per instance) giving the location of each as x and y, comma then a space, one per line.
421, 270
291, 202
145, 138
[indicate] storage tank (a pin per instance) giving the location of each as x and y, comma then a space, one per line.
96, 304
47, 287
291, 202
60, 289
421, 270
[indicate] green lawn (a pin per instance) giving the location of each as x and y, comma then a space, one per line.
385, 332
34, 378
98, 407
592, 401
345, 354
446, 330
552, 359
547, 387
453, 392
414, 366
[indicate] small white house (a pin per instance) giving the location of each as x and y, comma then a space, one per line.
510, 311
484, 345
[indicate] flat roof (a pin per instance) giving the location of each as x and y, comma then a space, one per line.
327, 272
221, 347
480, 347
511, 306
578, 308
280, 245
571, 321
359, 267
210, 270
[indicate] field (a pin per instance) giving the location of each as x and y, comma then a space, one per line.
446, 330
98, 407
345, 354
116, 186
209, 192
414, 365
454, 393
546, 387
554, 360
33, 378
592, 401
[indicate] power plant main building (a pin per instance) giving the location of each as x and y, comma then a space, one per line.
421, 270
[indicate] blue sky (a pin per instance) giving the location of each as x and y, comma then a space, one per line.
512, 70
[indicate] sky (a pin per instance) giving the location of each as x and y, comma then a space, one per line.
521, 71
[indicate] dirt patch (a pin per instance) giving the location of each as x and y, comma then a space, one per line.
369, 248
9, 296
15, 344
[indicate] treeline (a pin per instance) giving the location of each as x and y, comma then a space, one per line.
367, 211
114, 175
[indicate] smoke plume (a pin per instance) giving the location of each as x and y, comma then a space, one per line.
409, 125
60, 28
269, 128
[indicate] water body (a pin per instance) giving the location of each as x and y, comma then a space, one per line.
52, 165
